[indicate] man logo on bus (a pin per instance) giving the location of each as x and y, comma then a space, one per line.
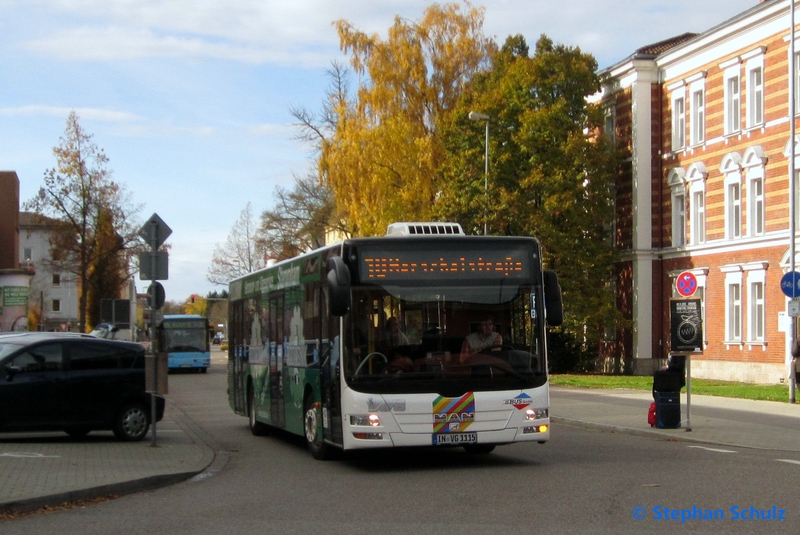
451, 415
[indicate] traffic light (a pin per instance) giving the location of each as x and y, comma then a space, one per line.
192, 298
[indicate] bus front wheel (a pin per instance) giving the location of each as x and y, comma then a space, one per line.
314, 440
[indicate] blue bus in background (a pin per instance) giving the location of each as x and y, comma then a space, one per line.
185, 339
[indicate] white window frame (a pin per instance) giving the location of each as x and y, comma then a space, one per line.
697, 110
696, 177
56, 305
677, 185
732, 171
754, 162
796, 82
733, 208
678, 101
734, 319
756, 305
733, 100
755, 92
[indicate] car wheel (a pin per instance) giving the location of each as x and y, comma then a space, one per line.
132, 423
77, 432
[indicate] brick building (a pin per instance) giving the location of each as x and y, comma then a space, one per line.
705, 118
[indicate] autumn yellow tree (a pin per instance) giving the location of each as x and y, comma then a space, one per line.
92, 214
382, 158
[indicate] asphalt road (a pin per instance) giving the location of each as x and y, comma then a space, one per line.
583, 481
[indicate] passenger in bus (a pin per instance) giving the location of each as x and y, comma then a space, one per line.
482, 340
396, 338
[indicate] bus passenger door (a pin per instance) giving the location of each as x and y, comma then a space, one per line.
331, 381
276, 360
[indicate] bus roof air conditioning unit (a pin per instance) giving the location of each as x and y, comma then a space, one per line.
424, 229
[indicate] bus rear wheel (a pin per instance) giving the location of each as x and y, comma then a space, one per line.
258, 429
311, 425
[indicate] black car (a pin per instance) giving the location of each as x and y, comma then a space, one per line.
75, 383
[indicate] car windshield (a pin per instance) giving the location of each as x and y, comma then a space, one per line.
8, 348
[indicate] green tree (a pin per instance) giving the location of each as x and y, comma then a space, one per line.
551, 173
382, 158
93, 213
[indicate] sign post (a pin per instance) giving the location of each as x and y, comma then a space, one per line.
686, 329
154, 266
790, 286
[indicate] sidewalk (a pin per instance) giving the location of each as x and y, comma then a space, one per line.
49, 469
714, 420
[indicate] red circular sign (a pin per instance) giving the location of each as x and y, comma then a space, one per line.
686, 284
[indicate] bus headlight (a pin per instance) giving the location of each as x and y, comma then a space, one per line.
365, 419
536, 414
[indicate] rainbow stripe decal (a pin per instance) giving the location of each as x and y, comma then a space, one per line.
453, 415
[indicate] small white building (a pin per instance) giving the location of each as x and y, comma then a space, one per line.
53, 291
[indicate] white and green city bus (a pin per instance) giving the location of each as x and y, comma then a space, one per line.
424, 337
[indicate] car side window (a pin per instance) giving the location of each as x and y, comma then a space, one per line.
42, 358
97, 356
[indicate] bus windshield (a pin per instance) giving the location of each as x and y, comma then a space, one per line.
447, 339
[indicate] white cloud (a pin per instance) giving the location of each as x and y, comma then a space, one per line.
94, 114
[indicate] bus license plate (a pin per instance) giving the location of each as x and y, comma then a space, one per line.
455, 438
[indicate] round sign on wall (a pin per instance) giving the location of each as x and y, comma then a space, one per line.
686, 284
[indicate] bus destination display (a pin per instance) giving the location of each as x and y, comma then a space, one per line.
435, 265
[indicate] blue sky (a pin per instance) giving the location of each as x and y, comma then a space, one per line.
191, 99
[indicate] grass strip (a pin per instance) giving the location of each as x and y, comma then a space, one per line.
705, 387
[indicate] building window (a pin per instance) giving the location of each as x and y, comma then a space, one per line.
754, 162
755, 95
731, 168
56, 279
797, 198
609, 125
677, 185
698, 217
696, 177
796, 83
678, 219
733, 311
733, 211
733, 101
756, 311
698, 115
56, 305
678, 121
27, 254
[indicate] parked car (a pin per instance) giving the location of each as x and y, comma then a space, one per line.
105, 330
218, 337
76, 383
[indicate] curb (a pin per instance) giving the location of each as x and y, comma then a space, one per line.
213, 460
654, 433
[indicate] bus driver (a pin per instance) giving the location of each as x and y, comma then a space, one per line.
485, 338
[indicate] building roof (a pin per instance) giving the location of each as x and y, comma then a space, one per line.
662, 46
32, 219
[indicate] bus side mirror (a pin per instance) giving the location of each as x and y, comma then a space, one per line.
338, 286
554, 309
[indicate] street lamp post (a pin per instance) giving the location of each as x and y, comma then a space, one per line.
475, 116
